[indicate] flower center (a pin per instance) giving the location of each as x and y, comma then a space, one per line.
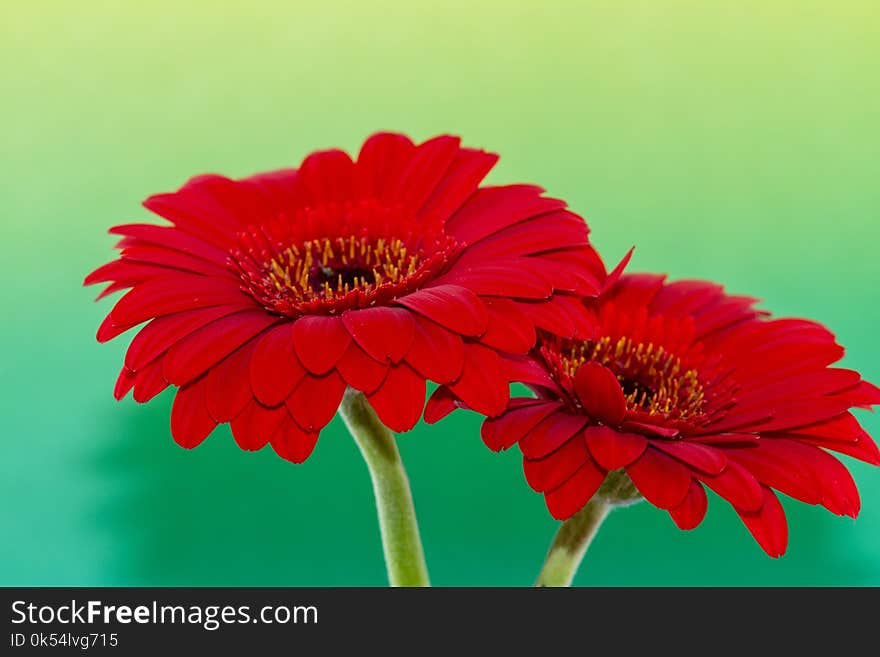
332, 268
329, 274
654, 381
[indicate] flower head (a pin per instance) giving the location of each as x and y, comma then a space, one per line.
266, 297
682, 387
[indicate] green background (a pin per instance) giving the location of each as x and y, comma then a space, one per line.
732, 141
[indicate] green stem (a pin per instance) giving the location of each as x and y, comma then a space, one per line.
571, 543
401, 544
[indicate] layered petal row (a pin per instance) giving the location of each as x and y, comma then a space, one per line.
263, 299
684, 387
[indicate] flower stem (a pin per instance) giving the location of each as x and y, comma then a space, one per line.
571, 543
404, 557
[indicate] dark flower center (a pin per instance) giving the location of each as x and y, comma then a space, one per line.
328, 274
329, 269
654, 381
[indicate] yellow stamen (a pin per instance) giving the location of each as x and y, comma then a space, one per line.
654, 380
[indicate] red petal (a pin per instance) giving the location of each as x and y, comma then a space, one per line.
600, 393
315, 400
115, 287
255, 425
491, 209
645, 428
384, 333
124, 383
171, 238
616, 273
126, 275
399, 400
551, 434
190, 421
171, 294
506, 430
436, 353
687, 297
555, 230
542, 275
549, 316
275, 188
636, 290
380, 163
692, 510
579, 270
108, 330
162, 333
736, 420
778, 470
149, 382
228, 384
326, 177
702, 457
864, 449
175, 293
727, 439
482, 384
207, 203
786, 415
731, 314
864, 395
290, 442
359, 370
661, 479
499, 278
508, 328
463, 176
320, 342
527, 370
842, 427
584, 321
210, 344
440, 404
156, 260
121, 270
429, 163
573, 495
551, 472
768, 525
803, 385
728, 312
274, 368
613, 449
454, 307
736, 485
830, 478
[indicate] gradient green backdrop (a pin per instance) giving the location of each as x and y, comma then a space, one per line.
733, 141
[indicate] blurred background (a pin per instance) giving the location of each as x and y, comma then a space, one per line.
731, 141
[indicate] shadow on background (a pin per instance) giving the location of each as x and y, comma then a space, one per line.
220, 516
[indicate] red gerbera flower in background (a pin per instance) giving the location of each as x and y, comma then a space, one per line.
684, 386
267, 296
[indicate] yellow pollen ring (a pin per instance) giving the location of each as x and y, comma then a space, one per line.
653, 379
339, 265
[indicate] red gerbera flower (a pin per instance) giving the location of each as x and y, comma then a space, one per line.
683, 386
267, 296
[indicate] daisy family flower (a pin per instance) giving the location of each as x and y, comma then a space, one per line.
345, 285
683, 388
267, 297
